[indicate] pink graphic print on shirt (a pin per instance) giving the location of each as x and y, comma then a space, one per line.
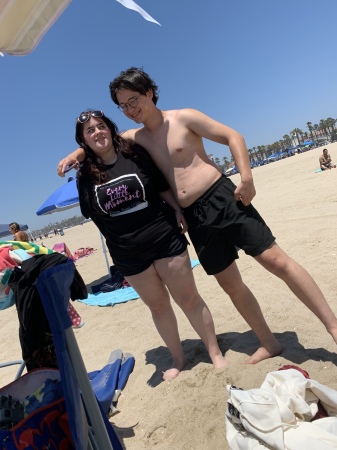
122, 195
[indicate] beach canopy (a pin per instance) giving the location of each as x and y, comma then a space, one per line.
65, 197
23, 23
4, 229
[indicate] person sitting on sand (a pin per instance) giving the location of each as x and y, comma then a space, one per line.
19, 235
219, 214
325, 162
122, 191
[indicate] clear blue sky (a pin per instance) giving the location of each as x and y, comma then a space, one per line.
263, 67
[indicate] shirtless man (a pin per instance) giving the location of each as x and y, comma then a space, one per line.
325, 160
211, 202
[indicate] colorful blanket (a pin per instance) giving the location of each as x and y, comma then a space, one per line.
12, 253
29, 247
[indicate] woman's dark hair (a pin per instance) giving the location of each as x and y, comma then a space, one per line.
93, 166
14, 226
135, 80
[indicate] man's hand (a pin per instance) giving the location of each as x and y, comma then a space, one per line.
245, 192
181, 221
67, 164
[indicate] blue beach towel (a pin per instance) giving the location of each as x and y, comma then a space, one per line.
117, 296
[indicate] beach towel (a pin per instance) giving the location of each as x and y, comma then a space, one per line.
63, 249
117, 296
82, 252
29, 247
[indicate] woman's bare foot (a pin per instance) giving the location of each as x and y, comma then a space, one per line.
264, 353
220, 361
175, 370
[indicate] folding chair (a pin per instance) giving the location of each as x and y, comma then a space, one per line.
12, 363
53, 285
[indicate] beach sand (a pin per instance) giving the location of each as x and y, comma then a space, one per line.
300, 207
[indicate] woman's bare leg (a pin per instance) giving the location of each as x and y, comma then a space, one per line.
177, 274
154, 294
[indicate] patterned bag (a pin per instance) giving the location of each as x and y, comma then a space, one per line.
46, 425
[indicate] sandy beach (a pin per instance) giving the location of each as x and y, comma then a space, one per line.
300, 207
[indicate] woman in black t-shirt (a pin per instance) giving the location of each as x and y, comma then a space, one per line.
128, 199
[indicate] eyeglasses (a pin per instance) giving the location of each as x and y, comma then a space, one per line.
85, 116
132, 103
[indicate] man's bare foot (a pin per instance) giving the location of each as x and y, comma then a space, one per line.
262, 353
219, 362
175, 370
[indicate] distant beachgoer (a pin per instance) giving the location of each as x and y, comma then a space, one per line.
19, 235
325, 161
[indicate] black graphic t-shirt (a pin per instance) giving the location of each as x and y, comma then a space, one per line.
122, 195
127, 209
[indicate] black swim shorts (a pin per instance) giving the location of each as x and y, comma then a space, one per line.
173, 245
218, 225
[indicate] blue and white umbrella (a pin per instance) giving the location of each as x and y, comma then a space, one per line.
66, 197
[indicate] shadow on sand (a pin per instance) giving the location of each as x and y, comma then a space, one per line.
245, 343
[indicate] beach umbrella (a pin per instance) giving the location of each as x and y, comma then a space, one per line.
66, 197
23, 23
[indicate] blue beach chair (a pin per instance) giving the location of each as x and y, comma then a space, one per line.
53, 286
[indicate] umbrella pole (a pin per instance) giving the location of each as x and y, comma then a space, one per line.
105, 253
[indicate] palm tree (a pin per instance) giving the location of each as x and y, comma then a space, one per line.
250, 153
315, 127
296, 132
217, 161
323, 126
310, 128
225, 162
330, 123
287, 140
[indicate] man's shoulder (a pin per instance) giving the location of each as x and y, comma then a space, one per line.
179, 112
131, 133
183, 115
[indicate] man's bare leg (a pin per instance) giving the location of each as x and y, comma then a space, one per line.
276, 261
243, 299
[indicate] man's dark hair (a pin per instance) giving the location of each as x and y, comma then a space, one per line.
136, 80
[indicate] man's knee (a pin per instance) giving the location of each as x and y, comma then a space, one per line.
275, 261
230, 280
